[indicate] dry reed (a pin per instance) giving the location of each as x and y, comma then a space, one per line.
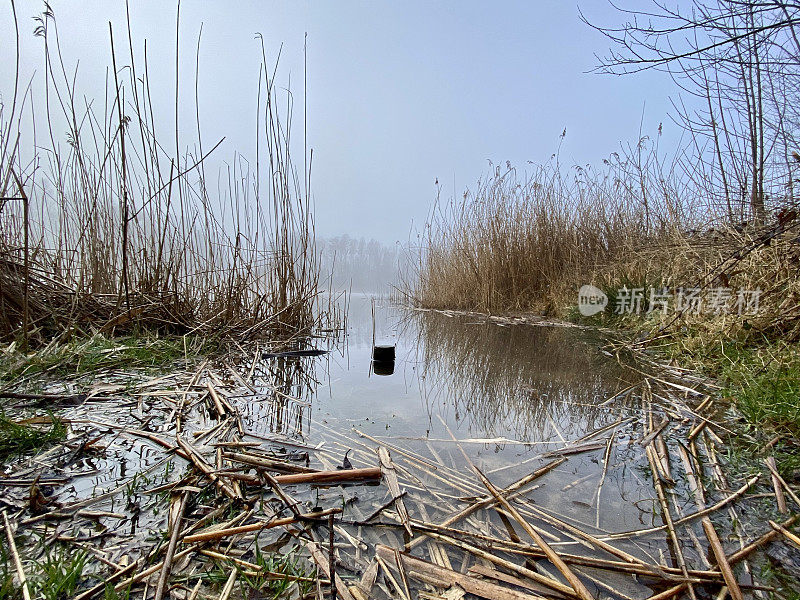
109, 231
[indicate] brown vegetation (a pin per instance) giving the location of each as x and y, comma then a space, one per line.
109, 230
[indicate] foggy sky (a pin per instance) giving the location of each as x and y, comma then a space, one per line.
399, 94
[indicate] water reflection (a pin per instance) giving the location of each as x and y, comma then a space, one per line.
528, 379
287, 387
532, 383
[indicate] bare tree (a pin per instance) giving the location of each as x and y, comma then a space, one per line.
741, 60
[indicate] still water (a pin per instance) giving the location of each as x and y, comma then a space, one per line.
511, 393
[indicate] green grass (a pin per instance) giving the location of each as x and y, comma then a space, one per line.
16, 438
82, 356
766, 389
55, 576
111, 594
8, 590
61, 570
275, 587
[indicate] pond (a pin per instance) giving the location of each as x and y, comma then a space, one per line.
490, 434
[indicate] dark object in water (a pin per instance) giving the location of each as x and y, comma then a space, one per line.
383, 367
346, 464
291, 353
383, 353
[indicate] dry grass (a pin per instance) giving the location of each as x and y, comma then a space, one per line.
108, 230
525, 243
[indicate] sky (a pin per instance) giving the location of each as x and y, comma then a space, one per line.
399, 94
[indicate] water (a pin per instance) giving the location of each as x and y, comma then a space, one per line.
509, 393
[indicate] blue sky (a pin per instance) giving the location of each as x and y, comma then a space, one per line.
399, 93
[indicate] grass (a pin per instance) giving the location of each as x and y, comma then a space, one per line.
16, 438
270, 586
762, 380
8, 590
766, 390
60, 572
55, 576
96, 353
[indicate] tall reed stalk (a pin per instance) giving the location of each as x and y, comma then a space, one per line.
117, 232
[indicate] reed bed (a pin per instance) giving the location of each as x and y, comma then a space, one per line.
114, 229
522, 242
527, 243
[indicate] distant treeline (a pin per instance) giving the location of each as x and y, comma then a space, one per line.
358, 264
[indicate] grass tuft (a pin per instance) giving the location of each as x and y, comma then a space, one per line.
90, 355
269, 582
16, 438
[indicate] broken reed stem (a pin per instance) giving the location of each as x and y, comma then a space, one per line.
490, 501
331, 557
691, 517
12, 548
577, 585
606, 458
222, 533
777, 477
175, 517
665, 511
786, 533
708, 528
734, 558
780, 498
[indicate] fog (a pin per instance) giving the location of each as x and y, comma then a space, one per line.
400, 96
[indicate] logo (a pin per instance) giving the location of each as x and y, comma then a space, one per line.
591, 300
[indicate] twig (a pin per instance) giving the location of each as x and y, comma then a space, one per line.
12, 547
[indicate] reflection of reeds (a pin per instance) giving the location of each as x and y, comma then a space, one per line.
110, 230
289, 388
514, 377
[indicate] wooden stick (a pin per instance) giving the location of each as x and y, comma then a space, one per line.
12, 547
331, 557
